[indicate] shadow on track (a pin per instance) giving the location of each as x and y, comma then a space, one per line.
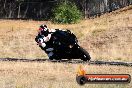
75, 61
42, 60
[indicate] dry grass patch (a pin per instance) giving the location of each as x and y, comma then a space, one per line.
53, 75
105, 37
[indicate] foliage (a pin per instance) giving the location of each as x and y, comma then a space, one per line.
66, 12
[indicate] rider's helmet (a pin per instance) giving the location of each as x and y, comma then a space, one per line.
43, 30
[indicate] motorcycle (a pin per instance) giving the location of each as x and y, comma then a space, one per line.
66, 46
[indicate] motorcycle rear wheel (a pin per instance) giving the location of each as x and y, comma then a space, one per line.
84, 55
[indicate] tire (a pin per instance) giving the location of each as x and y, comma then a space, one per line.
54, 57
81, 80
84, 55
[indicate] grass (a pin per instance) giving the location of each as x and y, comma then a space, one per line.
53, 75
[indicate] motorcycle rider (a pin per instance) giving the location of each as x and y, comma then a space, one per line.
50, 43
44, 40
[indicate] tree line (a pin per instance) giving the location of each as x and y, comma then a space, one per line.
42, 9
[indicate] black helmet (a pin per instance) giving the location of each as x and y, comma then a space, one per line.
44, 30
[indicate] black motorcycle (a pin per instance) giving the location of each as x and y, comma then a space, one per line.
66, 46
